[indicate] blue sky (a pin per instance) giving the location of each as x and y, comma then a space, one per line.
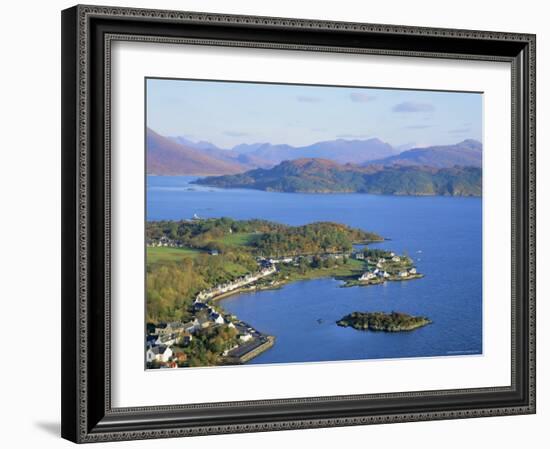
228, 114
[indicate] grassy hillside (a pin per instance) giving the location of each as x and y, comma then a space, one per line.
175, 274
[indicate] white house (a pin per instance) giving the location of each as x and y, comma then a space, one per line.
217, 318
367, 276
412, 271
403, 274
159, 354
396, 259
245, 337
282, 260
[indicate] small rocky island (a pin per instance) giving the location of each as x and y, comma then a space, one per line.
380, 321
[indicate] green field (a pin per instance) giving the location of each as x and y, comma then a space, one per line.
351, 269
166, 254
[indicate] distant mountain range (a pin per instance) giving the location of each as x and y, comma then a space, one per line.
247, 161
467, 153
167, 157
182, 156
325, 176
340, 150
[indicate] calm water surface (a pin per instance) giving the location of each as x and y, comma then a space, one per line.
442, 235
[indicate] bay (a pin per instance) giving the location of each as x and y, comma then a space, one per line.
442, 234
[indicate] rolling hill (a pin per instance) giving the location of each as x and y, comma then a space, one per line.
313, 175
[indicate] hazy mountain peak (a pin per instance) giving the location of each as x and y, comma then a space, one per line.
467, 153
168, 157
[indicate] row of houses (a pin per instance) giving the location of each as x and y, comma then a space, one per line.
380, 273
377, 273
369, 275
243, 281
164, 242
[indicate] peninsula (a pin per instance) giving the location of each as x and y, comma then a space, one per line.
314, 175
193, 263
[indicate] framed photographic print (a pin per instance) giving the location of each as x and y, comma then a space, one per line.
276, 223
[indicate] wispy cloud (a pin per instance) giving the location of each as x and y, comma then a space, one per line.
411, 106
307, 99
361, 97
318, 130
235, 134
352, 136
459, 131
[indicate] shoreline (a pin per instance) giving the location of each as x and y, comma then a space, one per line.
342, 256
340, 192
345, 284
357, 283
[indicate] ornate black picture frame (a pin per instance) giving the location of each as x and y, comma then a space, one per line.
87, 34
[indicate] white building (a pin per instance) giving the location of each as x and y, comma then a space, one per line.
412, 271
403, 274
283, 260
245, 337
217, 318
396, 259
159, 354
367, 276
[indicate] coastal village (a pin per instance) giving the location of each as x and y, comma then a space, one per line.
161, 341
166, 342
386, 267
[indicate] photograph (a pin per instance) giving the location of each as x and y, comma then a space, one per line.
273, 222
301, 223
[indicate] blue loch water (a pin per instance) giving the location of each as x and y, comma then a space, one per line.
442, 234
